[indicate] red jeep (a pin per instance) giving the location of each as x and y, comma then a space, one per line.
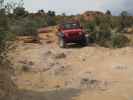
71, 32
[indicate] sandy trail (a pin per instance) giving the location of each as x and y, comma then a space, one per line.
75, 73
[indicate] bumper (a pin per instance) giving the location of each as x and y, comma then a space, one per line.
74, 39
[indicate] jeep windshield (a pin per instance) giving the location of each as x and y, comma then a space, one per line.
71, 25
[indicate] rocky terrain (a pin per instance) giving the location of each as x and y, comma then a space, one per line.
46, 72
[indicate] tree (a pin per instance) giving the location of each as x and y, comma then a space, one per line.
51, 18
20, 12
51, 13
10, 6
63, 14
1, 4
125, 22
124, 14
108, 12
41, 11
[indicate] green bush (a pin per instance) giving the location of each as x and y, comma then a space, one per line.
5, 35
101, 38
118, 40
102, 32
90, 26
51, 20
28, 26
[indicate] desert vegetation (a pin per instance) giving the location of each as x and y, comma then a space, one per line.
7, 86
15, 21
106, 30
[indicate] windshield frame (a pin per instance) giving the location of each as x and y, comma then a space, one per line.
71, 25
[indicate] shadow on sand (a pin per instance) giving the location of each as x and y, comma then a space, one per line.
63, 94
74, 46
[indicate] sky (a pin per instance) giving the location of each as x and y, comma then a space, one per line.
79, 6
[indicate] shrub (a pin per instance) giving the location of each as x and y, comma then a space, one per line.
51, 21
7, 87
118, 40
103, 35
113, 40
5, 35
28, 26
102, 31
101, 38
90, 26
125, 20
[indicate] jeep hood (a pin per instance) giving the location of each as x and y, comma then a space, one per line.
72, 31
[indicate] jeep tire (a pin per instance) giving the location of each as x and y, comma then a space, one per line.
84, 41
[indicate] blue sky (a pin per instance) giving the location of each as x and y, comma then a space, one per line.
78, 6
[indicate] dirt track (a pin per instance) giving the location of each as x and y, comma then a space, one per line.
74, 73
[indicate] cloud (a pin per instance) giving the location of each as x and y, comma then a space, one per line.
68, 6
128, 6
79, 6
117, 6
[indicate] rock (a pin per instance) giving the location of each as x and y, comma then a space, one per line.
104, 85
26, 68
26, 62
26, 65
59, 70
23, 61
120, 67
86, 81
60, 56
51, 64
30, 63
48, 53
49, 41
83, 59
57, 86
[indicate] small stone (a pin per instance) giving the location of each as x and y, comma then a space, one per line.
83, 59
120, 67
26, 68
57, 86
60, 56
31, 63
48, 53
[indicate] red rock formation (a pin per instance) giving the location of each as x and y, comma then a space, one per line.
90, 15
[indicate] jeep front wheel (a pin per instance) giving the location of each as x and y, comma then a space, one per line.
84, 41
